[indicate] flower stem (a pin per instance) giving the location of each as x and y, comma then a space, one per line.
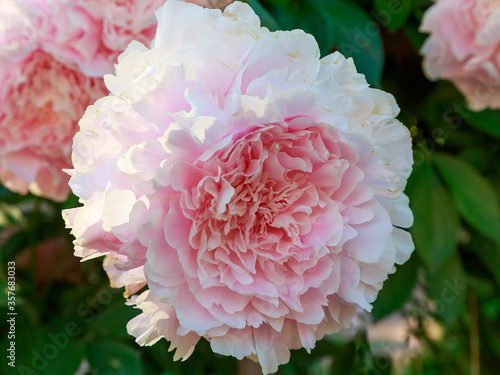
474, 336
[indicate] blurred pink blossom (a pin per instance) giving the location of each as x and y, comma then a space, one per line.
464, 48
53, 54
41, 103
255, 187
92, 33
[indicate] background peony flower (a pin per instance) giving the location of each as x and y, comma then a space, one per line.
92, 33
16, 31
41, 101
48, 51
258, 188
464, 48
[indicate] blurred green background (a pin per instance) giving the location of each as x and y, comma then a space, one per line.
438, 314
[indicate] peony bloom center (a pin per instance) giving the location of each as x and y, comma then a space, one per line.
263, 213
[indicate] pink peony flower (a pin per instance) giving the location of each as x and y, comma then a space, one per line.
255, 188
464, 48
92, 33
16, 31
42, 101
47, 50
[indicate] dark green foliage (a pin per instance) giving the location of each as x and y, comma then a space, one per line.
338, 25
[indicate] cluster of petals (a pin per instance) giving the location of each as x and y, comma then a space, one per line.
92, 33
53, 54
41, 103
464, 48
255, 188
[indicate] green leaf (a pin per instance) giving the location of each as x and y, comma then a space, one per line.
71, 202
28, 338
436, 226
305, 15
339, 25
477, 156
112, 320
393, 13
343, 360
68, 353
158, 355
397, 289
448, 289
266, 19
10, 215
488, 121
474, 196
488, 251
13, 245
114, 358
279, 2
356, 35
